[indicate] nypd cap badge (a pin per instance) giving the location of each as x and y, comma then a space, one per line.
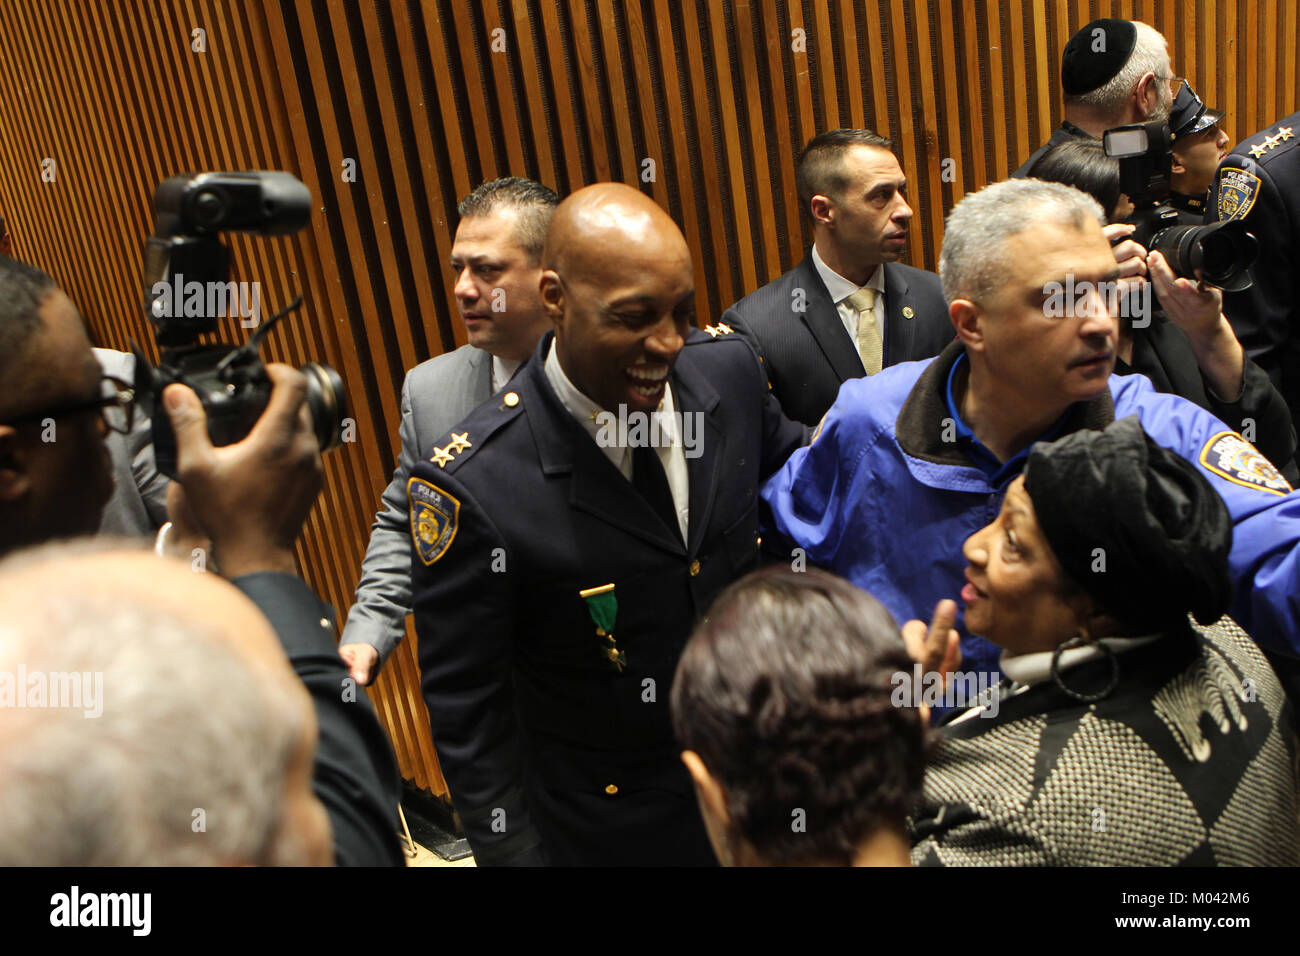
1229, 455
434, 519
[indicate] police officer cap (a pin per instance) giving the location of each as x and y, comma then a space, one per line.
1190, 114
1164, 531
1092, 59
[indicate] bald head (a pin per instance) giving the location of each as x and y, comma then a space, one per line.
610, 220
618, 286
162, 723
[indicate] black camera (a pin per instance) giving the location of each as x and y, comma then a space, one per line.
1222, 251
187, 290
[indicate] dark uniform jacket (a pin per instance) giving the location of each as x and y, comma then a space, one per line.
808, 354
554, 754
355, 775
1259, 182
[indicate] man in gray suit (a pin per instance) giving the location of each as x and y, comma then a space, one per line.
850, 308
497, 261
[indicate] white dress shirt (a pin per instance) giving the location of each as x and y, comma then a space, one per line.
502, 369
841, 288
671, 453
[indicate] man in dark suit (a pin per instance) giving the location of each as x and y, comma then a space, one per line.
1259, 183
497, 261
850, 308
568, 534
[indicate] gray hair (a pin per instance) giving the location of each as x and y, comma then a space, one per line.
1150, 55
532, 203
971, 261
186, 724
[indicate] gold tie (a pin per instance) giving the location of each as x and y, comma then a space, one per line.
869, 344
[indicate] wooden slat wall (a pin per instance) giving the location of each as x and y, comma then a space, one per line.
720, 94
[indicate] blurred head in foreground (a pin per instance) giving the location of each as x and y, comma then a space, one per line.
150, 718
781, 704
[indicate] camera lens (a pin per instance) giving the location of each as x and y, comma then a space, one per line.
328, 402
1222, 251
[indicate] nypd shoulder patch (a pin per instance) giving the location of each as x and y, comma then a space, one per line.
1237, 192
1229, 455
435, 516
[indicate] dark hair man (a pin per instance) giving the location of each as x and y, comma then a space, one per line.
850, 308
1113, 73
563, 550
497, 261
250, 498
1259, 183
784, 705
910, 463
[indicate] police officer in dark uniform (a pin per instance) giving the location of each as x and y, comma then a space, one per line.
1259, 183
562, 557
1199, 144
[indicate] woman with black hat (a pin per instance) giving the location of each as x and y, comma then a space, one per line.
1124, 733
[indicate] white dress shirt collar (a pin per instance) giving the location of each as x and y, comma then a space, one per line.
502, 369
841, 288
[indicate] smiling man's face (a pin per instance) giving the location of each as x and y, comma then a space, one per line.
622, 301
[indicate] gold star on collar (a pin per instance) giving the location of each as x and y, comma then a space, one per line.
459, 442
1259, 149
711, 330
1285, 133
724, 328
441, 457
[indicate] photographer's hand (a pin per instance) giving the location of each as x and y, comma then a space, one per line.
1197, 309
1130, 256
251, 498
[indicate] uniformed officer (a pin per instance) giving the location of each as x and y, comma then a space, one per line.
1199, 144
568, 534
1259, 183
911, 462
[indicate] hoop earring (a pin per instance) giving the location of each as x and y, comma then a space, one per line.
1081, 640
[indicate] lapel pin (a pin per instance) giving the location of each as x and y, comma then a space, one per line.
907, 312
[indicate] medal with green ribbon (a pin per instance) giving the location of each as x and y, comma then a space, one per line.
603, 608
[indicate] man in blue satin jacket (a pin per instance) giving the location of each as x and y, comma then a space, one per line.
910, 462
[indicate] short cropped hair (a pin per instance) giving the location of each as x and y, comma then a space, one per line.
532, 203
784, 692
1150, 55
186, 726
820, 169
971, 262
23, 290
1083, 164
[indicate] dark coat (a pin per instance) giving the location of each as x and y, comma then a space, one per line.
355, 775
1163, 354
1259, 182
553, 754
809, 354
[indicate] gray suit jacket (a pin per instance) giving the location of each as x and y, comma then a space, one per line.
436, 395
138, 507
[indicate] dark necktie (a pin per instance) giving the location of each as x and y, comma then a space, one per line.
649, 479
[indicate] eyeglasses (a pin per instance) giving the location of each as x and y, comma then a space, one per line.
116, 403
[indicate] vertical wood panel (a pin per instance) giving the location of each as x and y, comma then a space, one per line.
714, 91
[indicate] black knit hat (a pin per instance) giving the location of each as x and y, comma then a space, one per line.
1093, 58
1163, 531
